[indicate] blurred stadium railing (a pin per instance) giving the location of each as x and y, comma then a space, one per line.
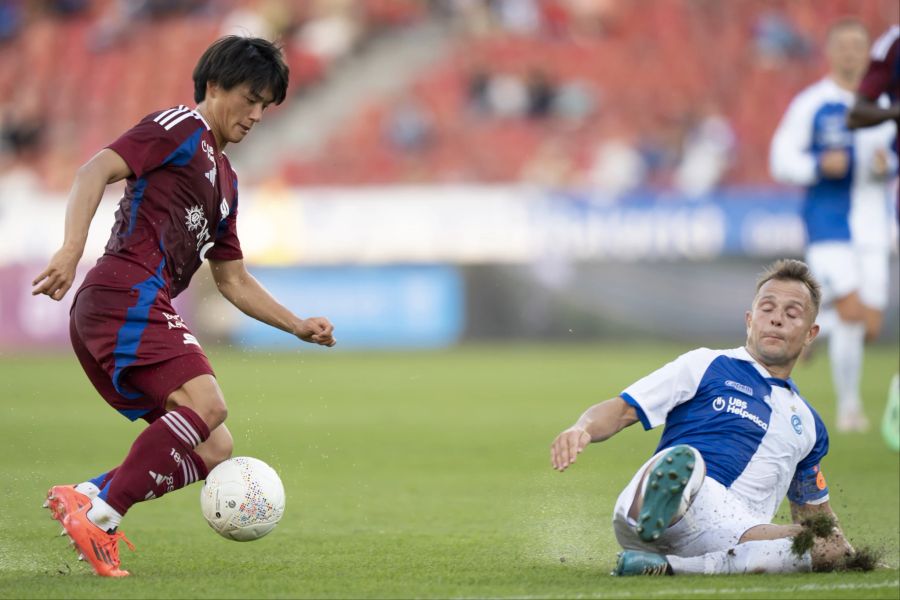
461, 170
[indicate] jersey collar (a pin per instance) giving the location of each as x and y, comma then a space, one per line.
742, 354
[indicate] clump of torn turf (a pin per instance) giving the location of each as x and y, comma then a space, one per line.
820, 525
862, 559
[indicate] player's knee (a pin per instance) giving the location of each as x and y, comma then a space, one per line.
204, 397
214, 412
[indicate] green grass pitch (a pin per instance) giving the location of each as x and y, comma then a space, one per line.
407, 475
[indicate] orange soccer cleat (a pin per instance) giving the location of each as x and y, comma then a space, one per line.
94, 545
64, 499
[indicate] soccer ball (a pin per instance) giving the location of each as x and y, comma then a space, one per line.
242, 499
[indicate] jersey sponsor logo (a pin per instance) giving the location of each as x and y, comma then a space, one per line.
224, 208
174, 321
190, 339
796, 424
833, 132
718, 404
746, 389
196, 221
211, 174
736, 406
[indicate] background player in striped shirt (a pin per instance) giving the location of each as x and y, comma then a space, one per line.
180, 208
738, 437
846, 177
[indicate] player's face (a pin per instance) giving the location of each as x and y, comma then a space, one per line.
780, 322
237, 110
848, 52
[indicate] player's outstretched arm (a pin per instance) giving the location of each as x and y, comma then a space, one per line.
90, 181
599, 422
243, 290
866, 113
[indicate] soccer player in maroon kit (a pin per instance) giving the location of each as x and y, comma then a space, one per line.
180, 207
883, 77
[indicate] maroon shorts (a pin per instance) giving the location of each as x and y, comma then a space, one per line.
134, 347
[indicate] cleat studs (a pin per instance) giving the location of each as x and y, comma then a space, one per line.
655, 536
690, 466
659, 523
80, 556
684, 481
46, 504
63, 532
640, 529
654, 485
669, 459
676, 489
659, 473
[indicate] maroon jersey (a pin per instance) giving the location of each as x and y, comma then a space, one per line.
883, 76
179, 207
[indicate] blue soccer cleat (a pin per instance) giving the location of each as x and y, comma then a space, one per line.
665, 484
635, 562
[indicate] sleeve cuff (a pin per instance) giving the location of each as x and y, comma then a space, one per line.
637, 407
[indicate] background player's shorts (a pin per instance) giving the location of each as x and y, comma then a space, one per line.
715, 520
135, 350
843, 268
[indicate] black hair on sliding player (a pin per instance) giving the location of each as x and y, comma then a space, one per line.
235, 60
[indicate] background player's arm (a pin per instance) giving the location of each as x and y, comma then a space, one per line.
90, 182
243, 290
599, 422
866, 113
791, 160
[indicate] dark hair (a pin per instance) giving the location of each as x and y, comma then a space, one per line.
788, 269
234, 60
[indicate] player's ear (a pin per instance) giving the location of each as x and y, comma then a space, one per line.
812, 333
747, 318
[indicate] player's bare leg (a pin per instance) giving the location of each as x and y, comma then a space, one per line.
217, 448
202, 395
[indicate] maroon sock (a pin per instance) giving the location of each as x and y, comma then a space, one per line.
162, 459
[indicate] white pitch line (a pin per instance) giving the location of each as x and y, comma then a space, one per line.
806, 587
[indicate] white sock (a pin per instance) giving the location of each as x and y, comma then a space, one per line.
88, 489
103, 515
846, 351
762, 556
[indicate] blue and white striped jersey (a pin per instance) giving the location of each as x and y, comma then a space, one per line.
758, 436
855, 207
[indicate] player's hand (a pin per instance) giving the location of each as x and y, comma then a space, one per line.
567, 446
59, 275
316, 330
880, 163
834, 163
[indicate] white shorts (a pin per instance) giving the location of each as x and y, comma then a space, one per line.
715, 521
842, 268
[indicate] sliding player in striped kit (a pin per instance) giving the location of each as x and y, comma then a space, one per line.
738, 437
180, 208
